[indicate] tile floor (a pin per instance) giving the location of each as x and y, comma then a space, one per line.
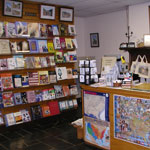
54, 133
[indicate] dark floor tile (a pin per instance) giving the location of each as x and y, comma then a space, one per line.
83, 146
39, 146
56, 143
12, 134
22, 132
54, 131
3, 148
3, 139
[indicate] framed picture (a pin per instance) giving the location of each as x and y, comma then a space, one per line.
94, 38
47, 12
12, 8
66, 14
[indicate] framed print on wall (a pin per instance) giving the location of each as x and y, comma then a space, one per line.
12, 8
66, 14
47, 12
94, 38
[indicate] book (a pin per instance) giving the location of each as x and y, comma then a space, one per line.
69, 43
8, 99
49, 30
30, 62
43, 30
66, 105
59, 57
66, 90
43, 62
43, 77
75, 103
21, 28
56, 42
55, 30
58, 91
69, 73
62, 105
17, 98
50, 47
70, 103
75, 73
1, 118
48, 61
24, 98
33, 78
4, 47
10, 119
62, 43
33, 29
20, 63
66, 57
33, 45
22, 47
25, 81
36, 112
31, 96
25, 115
45, 111
63, 29
37, 62
71, 30
38, 95
11, 63
54, 108
2, 29
6, 81
61, 73
1, 101
18, 117
45, 94
73, 90
10, 29
74, 44
3, 64
52, 60
42, 46
52, 76
13, 47
72, 56
17, 81
51, 93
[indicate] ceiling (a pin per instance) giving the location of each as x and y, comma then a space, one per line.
87, 8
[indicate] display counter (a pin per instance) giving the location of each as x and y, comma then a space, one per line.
116, 119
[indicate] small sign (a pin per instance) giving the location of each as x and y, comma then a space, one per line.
30, 14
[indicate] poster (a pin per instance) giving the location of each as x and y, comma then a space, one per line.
96, 105
97, 132
132, 119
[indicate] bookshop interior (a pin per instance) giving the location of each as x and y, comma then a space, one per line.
74, 75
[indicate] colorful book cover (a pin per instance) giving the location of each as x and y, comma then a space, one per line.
52, 76
73, 90
54, 108
10, 119
66, 57
25, 115
62, 43
69, 73
55, 30
58, 91
6, 80
37, 62
13, 47
51, 93
45, 111
69, 43
18, 117
74, 43
3, 63
42, 46
70, 103
50, 47
25, 81
75, 103
30, 62
52, 60
24, 98
59, 57
20, 63
56, 42
61, 73
8, 99
38, 95
33, 29
48, 61
74, 73
4, 46
22, 47
49, 30
36, 112
45, 94
43, 62
21, 28
11, 63
31, 96
63, 29
43, 77
17, 98
72, 30
66, 90
72, 56
1, 101
33, 45
2, 29
33, 78
17, 81
43, 30
10, 29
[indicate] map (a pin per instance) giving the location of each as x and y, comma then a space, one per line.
97, 132
132, 119
96, 105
